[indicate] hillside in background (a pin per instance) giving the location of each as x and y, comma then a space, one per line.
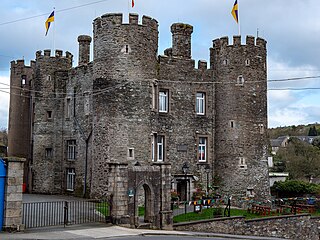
300, 130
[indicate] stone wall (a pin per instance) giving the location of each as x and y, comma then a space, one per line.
295, 227
13, 194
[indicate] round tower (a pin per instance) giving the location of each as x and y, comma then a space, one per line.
125, 50
124, 66
84, 49
181, 40
241, 117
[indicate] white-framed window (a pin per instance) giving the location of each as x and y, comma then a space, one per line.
202, 149
71, 149
240, 80
163, 101
70, 179
200, 103
48, 153
225, 62
158, 148
247, 62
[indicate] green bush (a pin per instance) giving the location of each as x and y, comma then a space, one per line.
294, 188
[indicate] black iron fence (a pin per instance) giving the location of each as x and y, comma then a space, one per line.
44, 214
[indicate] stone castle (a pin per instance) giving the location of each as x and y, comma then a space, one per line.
129, 106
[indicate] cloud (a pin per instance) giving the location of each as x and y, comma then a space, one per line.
4, 101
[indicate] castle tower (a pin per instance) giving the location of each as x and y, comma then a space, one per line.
241, 117
51, 117
20, 113
125, 62
84, 49
181, 40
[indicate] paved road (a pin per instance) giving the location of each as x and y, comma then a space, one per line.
95, 231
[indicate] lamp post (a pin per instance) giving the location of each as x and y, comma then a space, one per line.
185, 168
207, 169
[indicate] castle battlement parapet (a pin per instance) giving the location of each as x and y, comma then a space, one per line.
58, 54
113, 19
250, 41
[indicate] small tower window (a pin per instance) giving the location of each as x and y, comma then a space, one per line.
48, 77
240, 80
131, 154
49, 115
248, 62
225, 62
23, 80
127, 48
232, 124
261, 128
242, 163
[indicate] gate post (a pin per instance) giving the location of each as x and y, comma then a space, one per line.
166, 220
13, 194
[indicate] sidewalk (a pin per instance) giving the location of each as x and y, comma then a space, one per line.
96, 231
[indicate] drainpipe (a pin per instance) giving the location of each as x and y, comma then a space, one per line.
86, 166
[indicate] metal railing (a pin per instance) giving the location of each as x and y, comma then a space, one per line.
45, 214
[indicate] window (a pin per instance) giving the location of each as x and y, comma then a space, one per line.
158, 148
23, 80
48, 77
248, 62
261, 128
225, 62
48, 152
163, 101
70, 179
68, 108
49, 115
200, 103
232, 123
131, 154
71, 149
242, 163
240, 80
202, 149
250, 192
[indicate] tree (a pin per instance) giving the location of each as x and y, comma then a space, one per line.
313, 131
301, 159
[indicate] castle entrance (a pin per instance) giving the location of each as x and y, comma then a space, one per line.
141, 195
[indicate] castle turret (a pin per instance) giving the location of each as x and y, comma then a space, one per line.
181, 40
84, 49
241, 116
125, 50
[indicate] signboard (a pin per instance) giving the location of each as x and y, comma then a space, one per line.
197, 208
182, 148
130, 192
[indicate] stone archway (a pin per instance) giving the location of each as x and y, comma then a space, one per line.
145, 197
124, 184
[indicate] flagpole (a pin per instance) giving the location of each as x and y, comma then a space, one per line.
54, 29
239, 29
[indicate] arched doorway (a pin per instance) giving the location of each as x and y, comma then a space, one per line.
144, 206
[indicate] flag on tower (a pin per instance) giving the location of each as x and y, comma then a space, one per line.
132, 3
234, 11
49, 21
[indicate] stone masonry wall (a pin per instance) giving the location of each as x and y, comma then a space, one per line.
295, 227
241, 117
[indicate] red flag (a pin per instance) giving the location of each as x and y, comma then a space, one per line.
132, 4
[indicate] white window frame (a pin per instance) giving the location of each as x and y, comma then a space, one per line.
71, 149
163, 101
130, 154
160, 148
202, 149
70, 179
200, 103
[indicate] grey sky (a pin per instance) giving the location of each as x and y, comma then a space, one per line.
292, 29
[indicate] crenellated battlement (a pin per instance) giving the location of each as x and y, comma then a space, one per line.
116, 19
250, 41
57, 54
